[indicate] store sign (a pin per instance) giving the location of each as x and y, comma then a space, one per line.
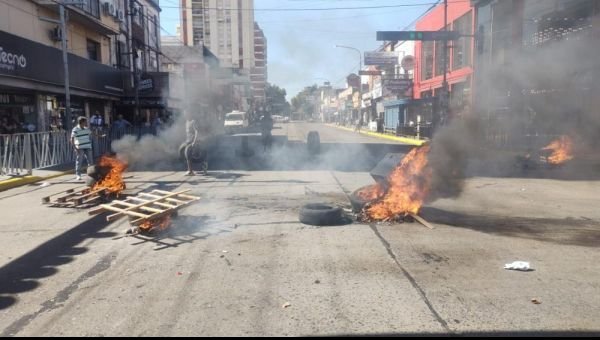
381, 58
397, 84
11, 60
146, 85
34, 62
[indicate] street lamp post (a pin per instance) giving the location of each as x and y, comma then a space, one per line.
359, 77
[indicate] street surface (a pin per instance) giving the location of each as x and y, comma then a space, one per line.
239, 262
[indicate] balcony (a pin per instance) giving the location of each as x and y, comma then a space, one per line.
87, 15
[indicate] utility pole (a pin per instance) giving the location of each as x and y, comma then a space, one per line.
444, 97
65, 57
134, 57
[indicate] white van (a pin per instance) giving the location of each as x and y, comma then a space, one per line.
236, 121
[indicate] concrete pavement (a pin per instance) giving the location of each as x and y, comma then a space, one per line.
240, 263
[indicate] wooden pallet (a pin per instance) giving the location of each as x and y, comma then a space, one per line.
80, 197
146, 206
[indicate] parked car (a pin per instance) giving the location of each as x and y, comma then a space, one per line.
236, 121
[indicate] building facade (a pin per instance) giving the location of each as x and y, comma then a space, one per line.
535, 68
259, 75
429, 56
31, 77
226, 27
112, 45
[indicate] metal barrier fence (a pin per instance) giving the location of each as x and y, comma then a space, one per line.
23, 152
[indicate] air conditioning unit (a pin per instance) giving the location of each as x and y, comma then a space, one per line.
56, 34
109, 9
120, 16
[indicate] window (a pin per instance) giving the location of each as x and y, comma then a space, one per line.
91, 7
439, 57
461, 52
427, 57
122, 55
93, 50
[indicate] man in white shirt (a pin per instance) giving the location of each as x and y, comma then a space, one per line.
81, 138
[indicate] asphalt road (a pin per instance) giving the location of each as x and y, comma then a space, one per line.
240, 263
297, 131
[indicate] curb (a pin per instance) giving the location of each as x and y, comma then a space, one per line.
17, 182
405, 140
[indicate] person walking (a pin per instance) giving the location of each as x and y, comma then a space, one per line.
82, 141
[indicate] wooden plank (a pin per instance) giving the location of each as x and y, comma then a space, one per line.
190, 197
157, 215
170, 199
120, 214
162, 204
421, 220
125, 203
152, 209
129, 211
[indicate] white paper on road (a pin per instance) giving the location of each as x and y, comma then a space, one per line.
518, 265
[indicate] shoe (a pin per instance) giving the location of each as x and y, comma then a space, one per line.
190, 173
78, 178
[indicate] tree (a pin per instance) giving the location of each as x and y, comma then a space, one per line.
276, 100
305, 102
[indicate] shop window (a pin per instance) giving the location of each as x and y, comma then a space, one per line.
461, 51
427, 57
439, 57
93, 50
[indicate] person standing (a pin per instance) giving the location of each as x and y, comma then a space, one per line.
185, 150
266, 125
96, 122
82, 141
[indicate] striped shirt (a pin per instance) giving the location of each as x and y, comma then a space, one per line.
82, 137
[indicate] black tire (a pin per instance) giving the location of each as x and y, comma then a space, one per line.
320, 214
90, 181
92, 171
313, 142
357, 202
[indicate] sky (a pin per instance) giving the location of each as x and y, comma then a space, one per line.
301, 44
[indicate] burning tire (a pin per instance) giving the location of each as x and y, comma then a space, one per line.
90, 181
357, 202
361, 196
96, 171
321, 215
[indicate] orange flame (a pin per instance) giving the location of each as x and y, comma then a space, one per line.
370, 193
409, 185
160, 223
562, 150
113, 181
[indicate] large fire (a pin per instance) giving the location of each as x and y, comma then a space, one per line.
113, 181
562, 150
409, 185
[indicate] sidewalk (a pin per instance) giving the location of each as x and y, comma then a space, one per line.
405, 140
9, 182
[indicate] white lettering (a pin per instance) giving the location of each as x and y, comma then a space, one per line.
10, 60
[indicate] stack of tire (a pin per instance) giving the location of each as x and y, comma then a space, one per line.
94, 174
